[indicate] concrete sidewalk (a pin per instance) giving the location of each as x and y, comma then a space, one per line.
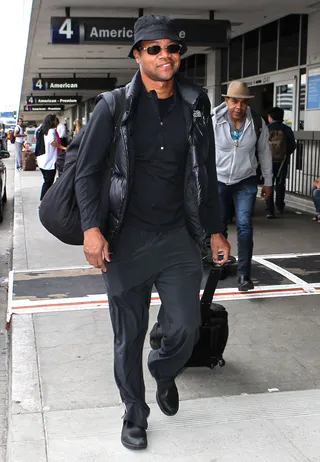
65, 405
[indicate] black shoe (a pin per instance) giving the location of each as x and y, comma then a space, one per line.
244, 283
168, 398
133, 436
270, 215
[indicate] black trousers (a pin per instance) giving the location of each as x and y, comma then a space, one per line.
279, 187
171, 261
48, 180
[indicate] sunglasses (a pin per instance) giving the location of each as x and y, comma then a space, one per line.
156, 49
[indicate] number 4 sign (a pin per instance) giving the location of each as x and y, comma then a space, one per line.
39, 84
65, 30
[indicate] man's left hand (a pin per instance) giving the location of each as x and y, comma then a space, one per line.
266, 192
220, 246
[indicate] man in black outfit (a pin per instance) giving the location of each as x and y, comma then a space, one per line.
279, 166
163, 200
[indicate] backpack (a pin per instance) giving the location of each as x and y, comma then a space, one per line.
278, 145
59, 212
40, 146
12, 137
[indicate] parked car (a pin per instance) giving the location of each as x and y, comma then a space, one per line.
3, 140
3, 181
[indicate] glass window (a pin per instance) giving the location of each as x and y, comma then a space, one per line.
304, 39
250, 59
285, 100
194, 68
91, 105
224, 89
224, 65
289, 41
235, 58
183, 65
191, 66
201, 65
268, 47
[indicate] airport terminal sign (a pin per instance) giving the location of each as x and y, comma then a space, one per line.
196, 32
53, 108
313, 89
73, 84
50, 100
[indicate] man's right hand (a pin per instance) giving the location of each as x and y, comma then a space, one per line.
96, 248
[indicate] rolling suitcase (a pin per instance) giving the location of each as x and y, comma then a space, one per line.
213, 332
29, 161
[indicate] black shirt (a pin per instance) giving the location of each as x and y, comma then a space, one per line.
156, 199
96, 143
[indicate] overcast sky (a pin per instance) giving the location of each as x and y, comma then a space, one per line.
14, 28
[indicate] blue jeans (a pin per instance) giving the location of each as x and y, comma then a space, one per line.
279, 187
243, 195
18, 155
316, 199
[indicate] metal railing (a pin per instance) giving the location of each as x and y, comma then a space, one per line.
304, 163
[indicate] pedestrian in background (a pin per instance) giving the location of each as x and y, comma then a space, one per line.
316, 199
62, 140
239, 141
47, 161
282, 144
77, 125
19, 139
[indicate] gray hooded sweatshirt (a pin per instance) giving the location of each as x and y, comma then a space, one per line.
236, 163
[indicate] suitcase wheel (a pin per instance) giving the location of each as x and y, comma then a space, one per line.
221, 362
212, 366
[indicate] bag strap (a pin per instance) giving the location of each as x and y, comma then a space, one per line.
257, 123
116, 101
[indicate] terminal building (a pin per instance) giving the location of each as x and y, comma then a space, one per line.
75, 52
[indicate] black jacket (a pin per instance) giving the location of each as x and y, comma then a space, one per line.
201, 190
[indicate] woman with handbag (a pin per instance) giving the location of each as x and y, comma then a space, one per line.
47, 161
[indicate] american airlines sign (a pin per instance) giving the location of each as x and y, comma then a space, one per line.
202, 32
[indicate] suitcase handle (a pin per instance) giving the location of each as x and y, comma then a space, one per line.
231, 261
210, 287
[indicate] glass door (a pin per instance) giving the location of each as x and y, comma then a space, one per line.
284, 97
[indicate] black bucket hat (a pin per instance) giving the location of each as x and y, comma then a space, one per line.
152, 27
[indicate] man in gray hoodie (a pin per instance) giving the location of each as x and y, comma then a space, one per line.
241, 139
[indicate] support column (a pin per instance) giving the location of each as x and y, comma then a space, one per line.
74, 115
79, 112
87, 110
312, 117
214, 77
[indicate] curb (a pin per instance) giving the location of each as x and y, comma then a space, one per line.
19, 251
